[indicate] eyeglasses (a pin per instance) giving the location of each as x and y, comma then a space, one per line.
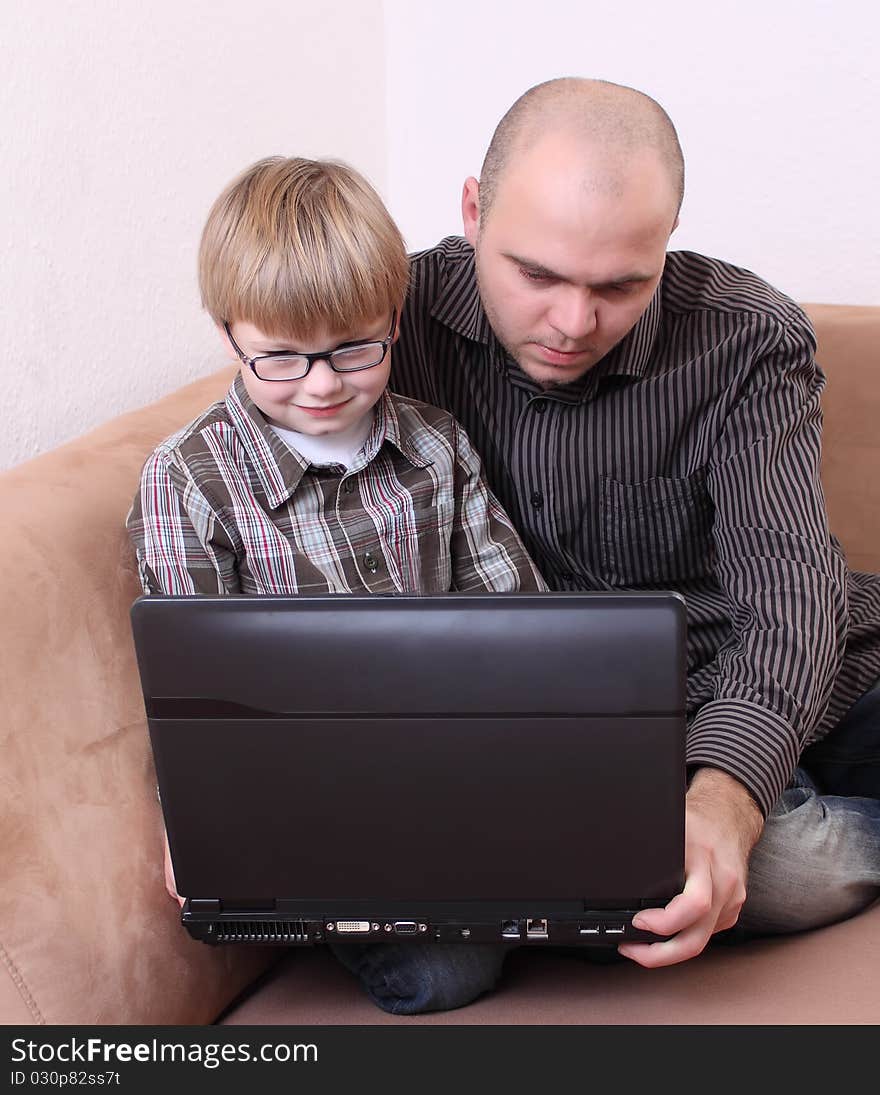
350, 357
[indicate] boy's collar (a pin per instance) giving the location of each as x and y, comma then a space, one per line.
280, 469
387, 427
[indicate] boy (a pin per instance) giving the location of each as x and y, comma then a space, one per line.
311, 476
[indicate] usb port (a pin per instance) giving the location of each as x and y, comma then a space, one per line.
588, 929
614, 929
536, 929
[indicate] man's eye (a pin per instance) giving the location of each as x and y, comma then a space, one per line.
534, 276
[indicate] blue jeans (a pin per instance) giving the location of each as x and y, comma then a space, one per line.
817, 861
409, 978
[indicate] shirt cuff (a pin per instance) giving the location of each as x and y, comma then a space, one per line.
755, 746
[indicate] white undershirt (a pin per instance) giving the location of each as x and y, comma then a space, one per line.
329, 448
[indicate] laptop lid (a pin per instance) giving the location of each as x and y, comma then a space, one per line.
353, 757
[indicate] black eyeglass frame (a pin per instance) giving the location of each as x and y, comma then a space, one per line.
310, 359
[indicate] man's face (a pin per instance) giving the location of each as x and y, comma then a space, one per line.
570, 254
323, 401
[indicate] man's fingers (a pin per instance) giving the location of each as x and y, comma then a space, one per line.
687, 944
690, 907
689, 919
682, 911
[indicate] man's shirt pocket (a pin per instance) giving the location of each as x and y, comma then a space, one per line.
655, 532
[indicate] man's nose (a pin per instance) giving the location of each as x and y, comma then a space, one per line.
573, 312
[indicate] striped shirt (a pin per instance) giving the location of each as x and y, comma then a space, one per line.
687, 459
225, 506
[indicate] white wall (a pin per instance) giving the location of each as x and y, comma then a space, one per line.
121, 122
777, 104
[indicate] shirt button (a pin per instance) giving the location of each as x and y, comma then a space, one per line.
348, 486
540, 406
537, 499
371, 562
566, 576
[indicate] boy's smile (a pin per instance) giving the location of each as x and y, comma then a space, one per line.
323, 401
325, 411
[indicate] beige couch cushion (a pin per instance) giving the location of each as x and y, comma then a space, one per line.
820, 977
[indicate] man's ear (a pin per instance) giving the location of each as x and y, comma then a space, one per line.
470, 209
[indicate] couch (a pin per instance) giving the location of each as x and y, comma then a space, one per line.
87, 932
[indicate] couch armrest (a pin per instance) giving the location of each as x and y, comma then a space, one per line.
849, 352
87, 932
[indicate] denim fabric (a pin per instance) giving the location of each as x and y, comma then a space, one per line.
409, 978
818, 859
847, 761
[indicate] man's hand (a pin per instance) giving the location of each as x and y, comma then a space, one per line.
722, 825
170, 884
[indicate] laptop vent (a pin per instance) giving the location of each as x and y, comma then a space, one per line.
261, 931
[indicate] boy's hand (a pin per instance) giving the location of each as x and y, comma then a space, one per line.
170, 884
722, 825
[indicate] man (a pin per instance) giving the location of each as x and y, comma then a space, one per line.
650, 421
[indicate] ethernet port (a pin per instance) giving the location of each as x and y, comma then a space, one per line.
537, 929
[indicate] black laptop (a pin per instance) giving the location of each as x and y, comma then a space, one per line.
456, 767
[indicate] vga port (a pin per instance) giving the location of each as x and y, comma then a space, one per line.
405, 927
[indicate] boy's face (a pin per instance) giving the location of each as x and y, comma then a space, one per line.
323, 401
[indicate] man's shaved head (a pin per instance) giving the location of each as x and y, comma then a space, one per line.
570, 222
619, 121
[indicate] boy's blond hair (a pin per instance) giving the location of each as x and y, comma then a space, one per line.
292, 245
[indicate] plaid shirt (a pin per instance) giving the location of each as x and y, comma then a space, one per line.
225, 506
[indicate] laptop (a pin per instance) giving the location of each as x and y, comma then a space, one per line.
462, 767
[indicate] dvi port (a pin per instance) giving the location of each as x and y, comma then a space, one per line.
352, 927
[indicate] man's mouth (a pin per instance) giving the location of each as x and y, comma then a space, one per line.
553, 356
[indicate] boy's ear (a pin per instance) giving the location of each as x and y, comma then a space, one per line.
227, 345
